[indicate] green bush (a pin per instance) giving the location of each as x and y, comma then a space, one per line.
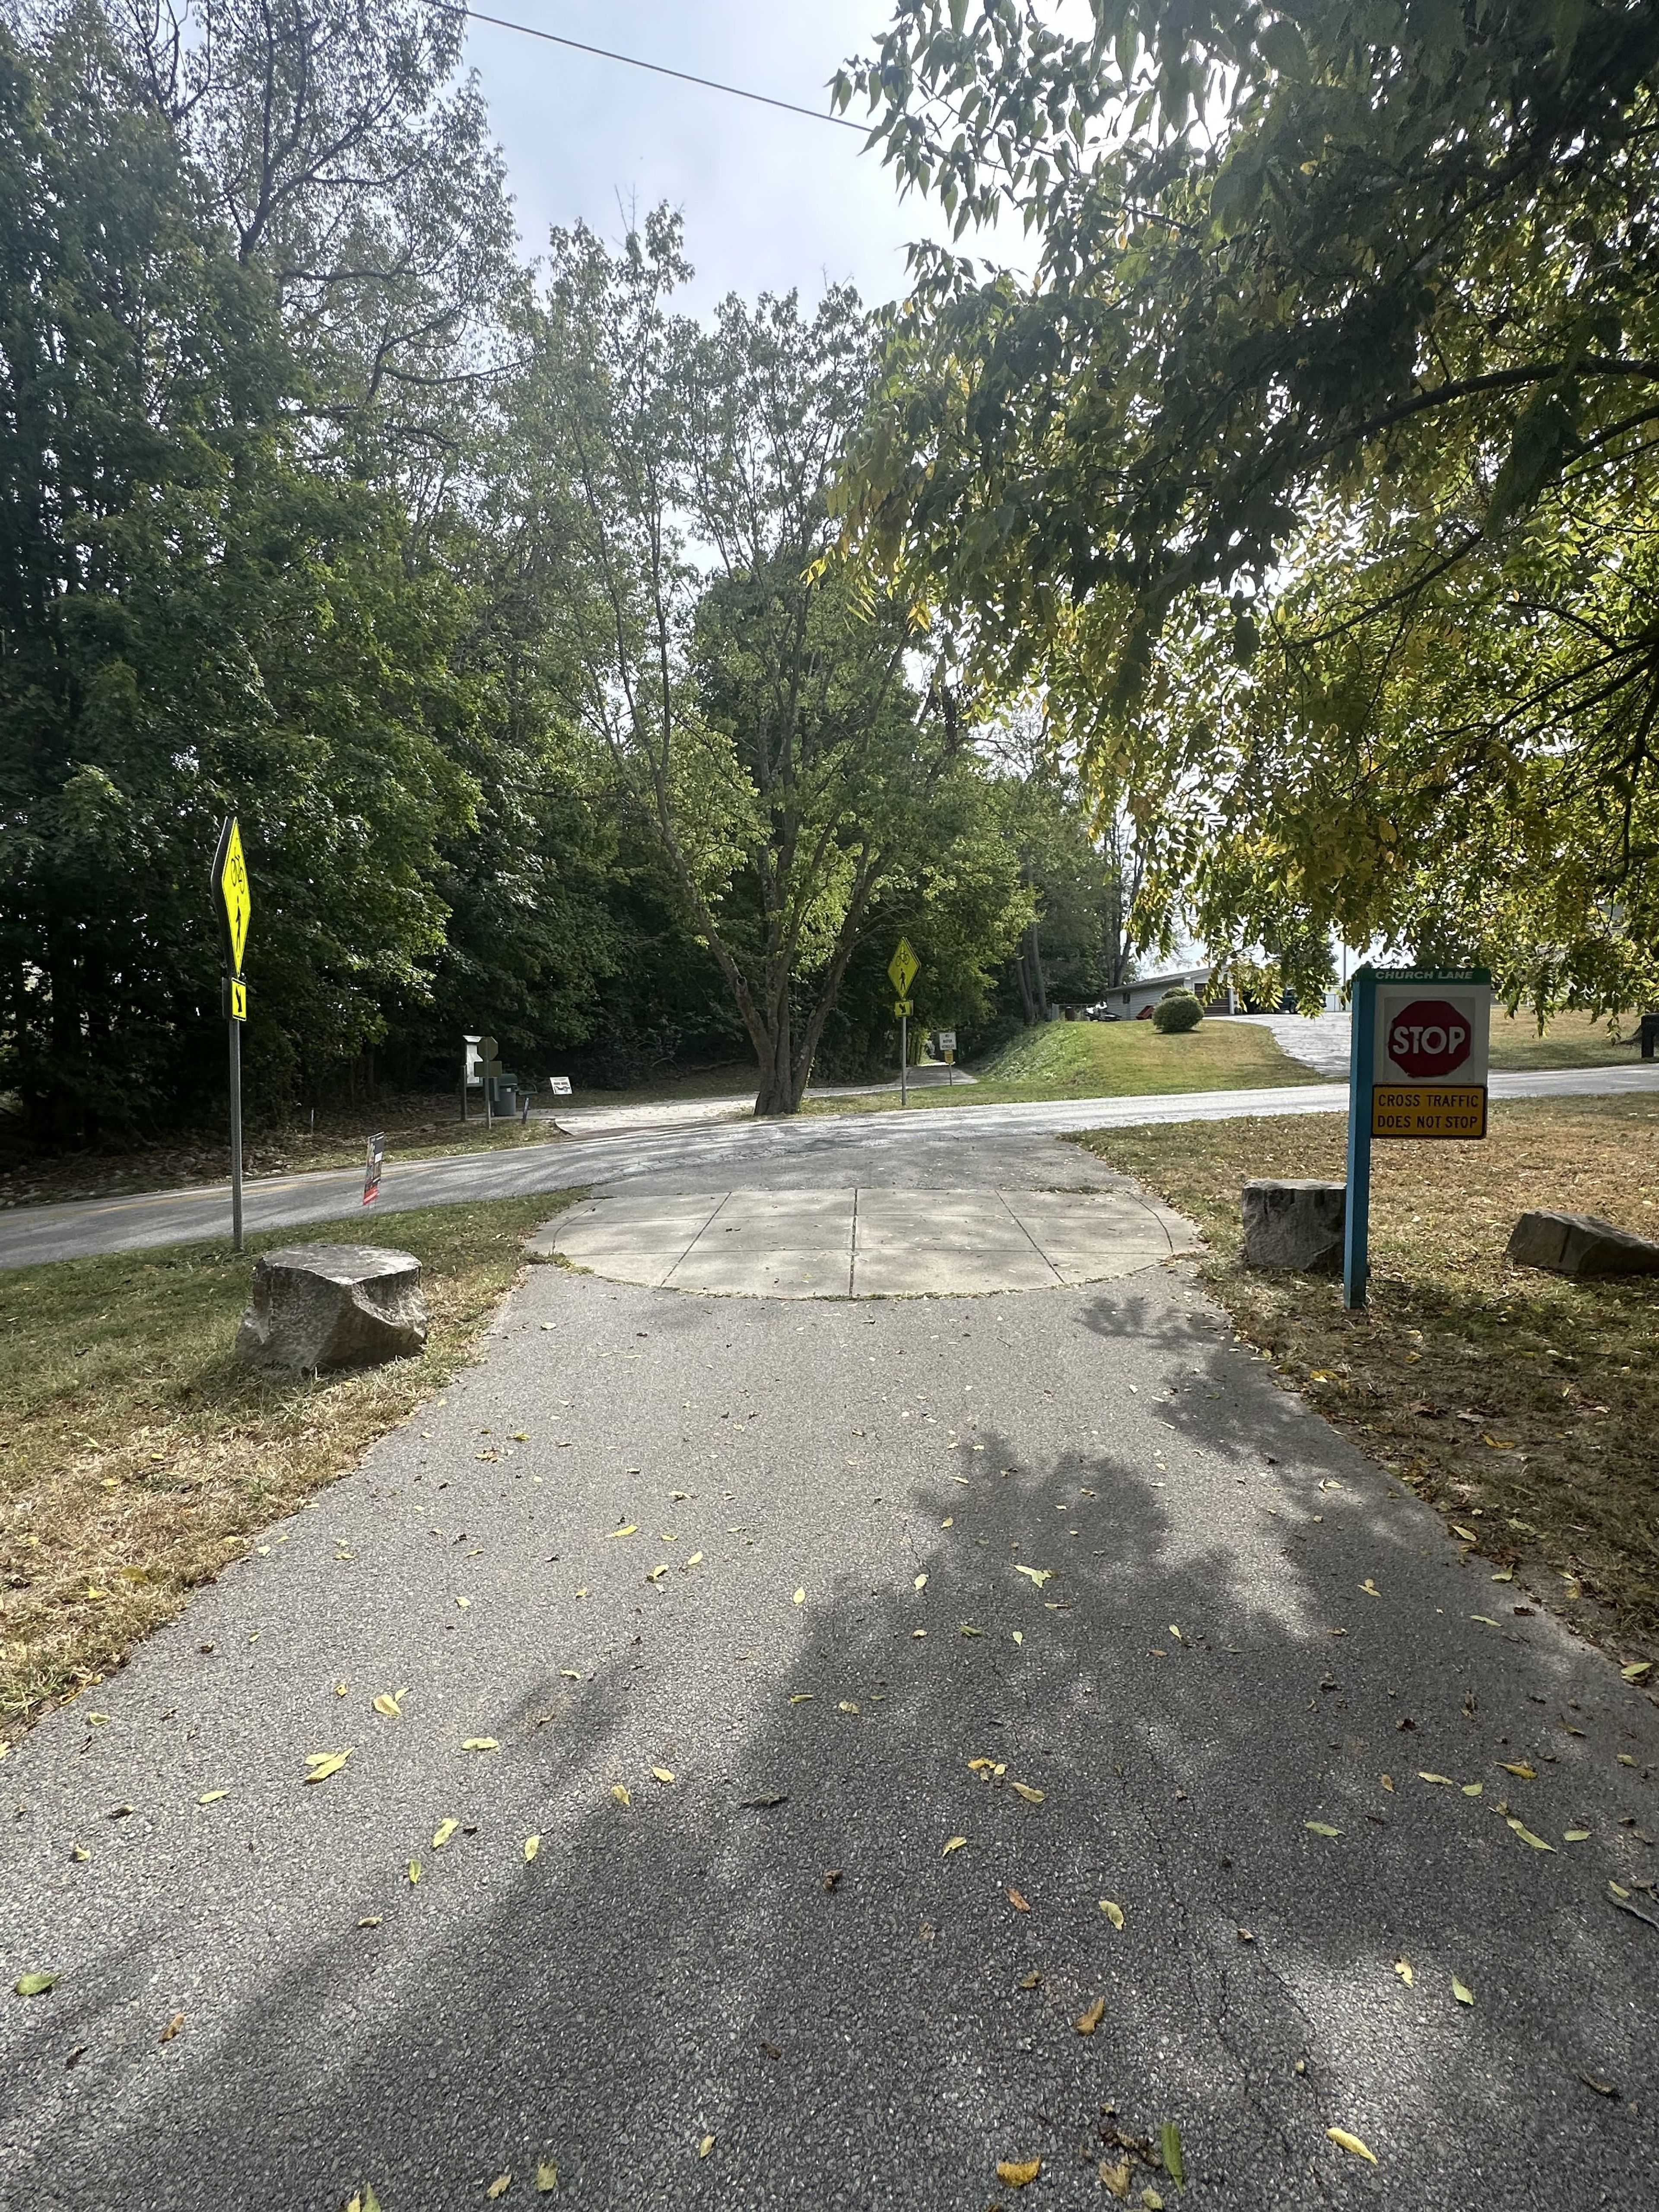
1178, 1012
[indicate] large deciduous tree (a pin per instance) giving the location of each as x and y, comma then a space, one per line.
754, 695
1343, 337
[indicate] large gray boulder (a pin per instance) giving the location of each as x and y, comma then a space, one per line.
333, 1305
1296, 1224
1579, 1244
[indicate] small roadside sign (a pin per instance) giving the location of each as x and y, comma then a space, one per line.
1417, 1068
372, 1169
904, 1007
947, 1040
237, 999
1429, 1073
903, 967
560, 1084
235, 895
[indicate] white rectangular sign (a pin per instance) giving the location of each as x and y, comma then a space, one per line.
560, 1085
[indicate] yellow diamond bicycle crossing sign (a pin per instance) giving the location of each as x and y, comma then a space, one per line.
903, 967
230, 886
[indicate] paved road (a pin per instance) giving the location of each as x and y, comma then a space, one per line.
776, 1980
803, 1154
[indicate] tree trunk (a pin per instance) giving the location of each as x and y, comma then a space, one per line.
1026, 998
781, 1088
1039, 987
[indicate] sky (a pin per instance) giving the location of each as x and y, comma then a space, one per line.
770, 200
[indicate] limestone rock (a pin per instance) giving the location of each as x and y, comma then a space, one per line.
1295, 1225
333, 1305
1579, 1244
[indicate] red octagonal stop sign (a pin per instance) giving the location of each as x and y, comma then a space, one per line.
1430, 1037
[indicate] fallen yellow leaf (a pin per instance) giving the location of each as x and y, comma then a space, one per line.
1037, 1575
499, 2186
481, 1743
1344, 2140
920, 1583
799, 1598
1370, 1588
803, 1697
846, 1706
464, 1602
531, 1845
387, 1703
1519, 1766
324, 1763
632, 1529
212, 1796
1015, 2172
695, 1559
952, 1843
1634, 1674
705, 2146
1446, 1778
1113, 1913
619, 1791
1024, 1790
663, 1774
1497, 1444
1577, 1836
414, 1871
172, 2027
1528, 1836
445, 1829
547, 2177
1019, 1901
1462, 1991
1090, 2021
1322, 1828
1403, 1968
1467, 1534
1116, 2177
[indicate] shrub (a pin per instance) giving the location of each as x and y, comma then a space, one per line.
1179, 1010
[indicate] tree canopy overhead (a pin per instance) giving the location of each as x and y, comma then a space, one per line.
1322, 439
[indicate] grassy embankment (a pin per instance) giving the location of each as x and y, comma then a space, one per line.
136, 1458
1108, 1060
1524, 1405
1570, 1041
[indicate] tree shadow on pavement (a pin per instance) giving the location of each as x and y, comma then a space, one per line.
785, 1949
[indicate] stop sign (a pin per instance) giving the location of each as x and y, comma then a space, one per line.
1430, 1037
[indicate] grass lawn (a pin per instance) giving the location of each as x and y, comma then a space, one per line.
135, 1459
1570, 1041
1524, 1405
1107, 1059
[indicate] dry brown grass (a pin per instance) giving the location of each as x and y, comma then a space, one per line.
137, 1459
1525, 1405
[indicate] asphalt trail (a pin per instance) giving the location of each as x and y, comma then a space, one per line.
1235, 1627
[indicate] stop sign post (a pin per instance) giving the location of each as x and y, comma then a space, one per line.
1417, 1067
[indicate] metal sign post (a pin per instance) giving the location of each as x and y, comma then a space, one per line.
902, 970
1417, 1068
233, 899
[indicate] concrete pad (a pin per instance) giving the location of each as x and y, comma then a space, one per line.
877, 1242
771, 1275
943, 1272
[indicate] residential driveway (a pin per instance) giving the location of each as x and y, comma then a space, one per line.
852, 1666
936, 1144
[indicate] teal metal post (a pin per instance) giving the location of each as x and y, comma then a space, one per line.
1362, 1069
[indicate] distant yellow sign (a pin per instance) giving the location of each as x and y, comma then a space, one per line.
903, 967
238, 1000
904, 1005
235, 895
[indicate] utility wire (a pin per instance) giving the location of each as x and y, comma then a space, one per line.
656, 68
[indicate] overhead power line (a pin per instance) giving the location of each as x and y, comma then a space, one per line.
659, 69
